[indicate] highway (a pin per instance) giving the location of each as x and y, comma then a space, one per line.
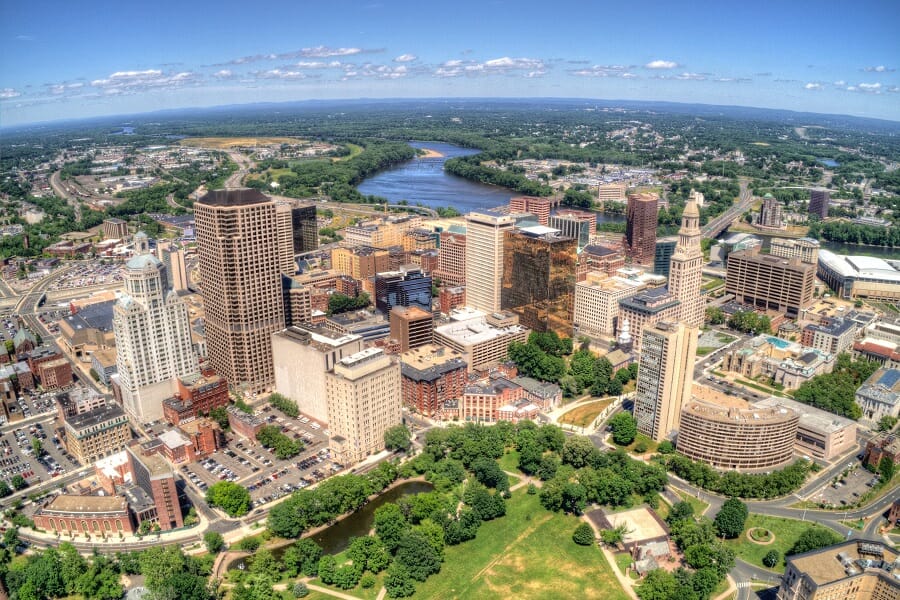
721, 223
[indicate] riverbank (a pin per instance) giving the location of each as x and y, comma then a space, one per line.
429, 153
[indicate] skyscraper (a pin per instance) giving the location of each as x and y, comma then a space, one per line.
406, 287
484, 258
452, 258
153, 338
305, 229
818, 203
539, 278
240, 269
770, 213
363, 393
285, 238
665, 377
640, 229
172, 256
686, 266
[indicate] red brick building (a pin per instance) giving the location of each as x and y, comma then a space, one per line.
451, 297
55, 374
243, 423
431, 375
94, 515
483, 401
540, 207
196, 394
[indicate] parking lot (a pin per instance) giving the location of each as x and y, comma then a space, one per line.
31, 404
853, 482
88, 275
256, 468
17, 456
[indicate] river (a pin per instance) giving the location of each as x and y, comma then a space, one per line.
337, 538
423, 180
840, 248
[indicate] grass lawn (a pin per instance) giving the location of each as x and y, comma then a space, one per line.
786, 531
529, 553
712, 283
699, 505
650, 444
510, 461
725, 338
357, 592
760, 387
704, 350
584, 415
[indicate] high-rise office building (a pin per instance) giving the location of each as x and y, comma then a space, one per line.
770, 282
640, 228
153, 339
770, 213
411, 326
364, 394
240, 269
818, 203
302, 355
304, 227
573, 223
172, 256
285, 238
484, 258
539, 207
665, 377
539, 278
662, 255
685, 268
406, 287
452, 258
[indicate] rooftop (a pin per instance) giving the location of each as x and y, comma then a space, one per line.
845, 560
103, 414
234, 197
430, 362
810, 417
94, 316
86, 504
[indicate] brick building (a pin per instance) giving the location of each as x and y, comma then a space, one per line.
451, 297
196, 394
55, 374
94, 515
244, 424
430, 376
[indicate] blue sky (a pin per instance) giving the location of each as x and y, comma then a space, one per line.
64, 60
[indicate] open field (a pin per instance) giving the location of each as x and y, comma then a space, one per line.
786, 532
529, 553
510, 461
584, 415
224, 143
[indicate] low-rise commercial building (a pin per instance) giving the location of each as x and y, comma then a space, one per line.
91, 435
80, 515
471, 333
859, 276
195, 395
820, 434
833, 337
879, 396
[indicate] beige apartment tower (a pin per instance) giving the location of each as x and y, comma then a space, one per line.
364, 396
240, 267
686, 266
484, 259
452, 259
665, 377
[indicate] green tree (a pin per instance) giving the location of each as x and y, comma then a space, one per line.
603, 371
390, 525
18, 482
715, 315
887, 423
230, 497
659, 584
300, 590
681, 511
397, 437
583, 535
887, 469
813, 539
220, 416
771, 558
5, 490
415, 552
624, 428
398, 582
327, 569
731, 518
214, 541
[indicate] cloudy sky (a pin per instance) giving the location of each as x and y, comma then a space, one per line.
65, 60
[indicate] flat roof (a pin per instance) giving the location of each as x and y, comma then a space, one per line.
99, 415
87, 504
810, 417
234, 197
840, 561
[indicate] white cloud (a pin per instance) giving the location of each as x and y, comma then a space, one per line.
840, 83
534, 74
317, 64
61, 88
7, 93
813, 86
691, 76
661, 64
405, 58
223, 74
869, 86
325, 51
279, 74
505, 64
374, 71
605, 71
879, 69
893, 89
137, 80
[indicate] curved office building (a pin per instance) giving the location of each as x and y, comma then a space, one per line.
741, 438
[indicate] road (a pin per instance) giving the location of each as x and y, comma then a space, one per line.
243, 164
720, 223
60, 190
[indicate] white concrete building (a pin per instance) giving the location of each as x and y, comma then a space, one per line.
484, 258
364, 397
597, 302
153, 339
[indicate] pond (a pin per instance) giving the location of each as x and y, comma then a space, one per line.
336, 538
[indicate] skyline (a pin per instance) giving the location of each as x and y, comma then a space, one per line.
58, 65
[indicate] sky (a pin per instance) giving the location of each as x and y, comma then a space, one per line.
68, 60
